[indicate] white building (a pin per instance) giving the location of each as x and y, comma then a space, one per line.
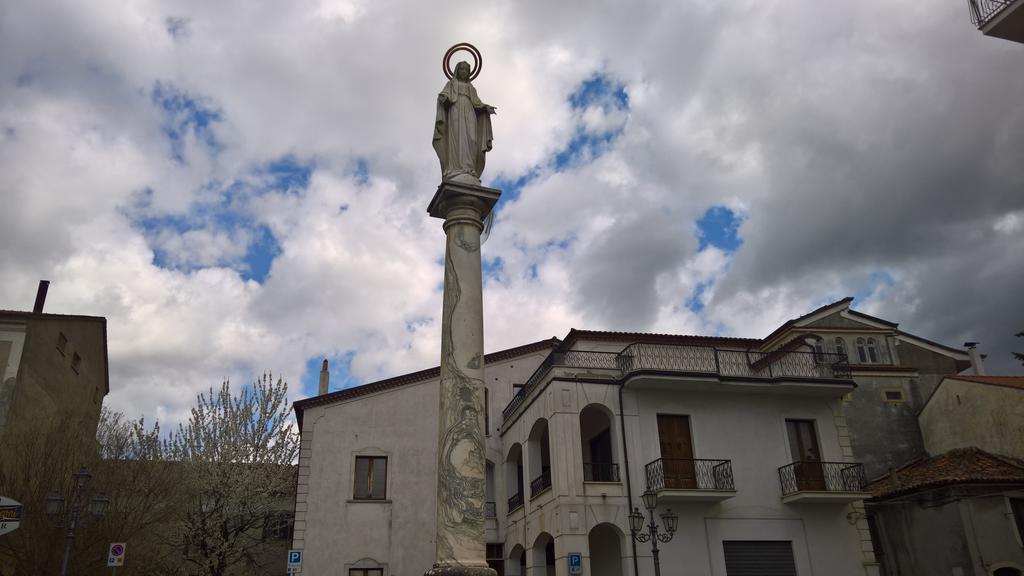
744, 439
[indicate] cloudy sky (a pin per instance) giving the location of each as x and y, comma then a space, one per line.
241, 186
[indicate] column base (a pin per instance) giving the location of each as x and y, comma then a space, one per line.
460, 570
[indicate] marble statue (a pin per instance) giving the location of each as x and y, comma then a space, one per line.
462, 129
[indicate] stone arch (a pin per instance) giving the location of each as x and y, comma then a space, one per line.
515, 564
514, 476
597, 440
538, 450
1006, 569
542, 555
606, 542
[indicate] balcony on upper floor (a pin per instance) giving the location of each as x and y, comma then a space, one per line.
691, 479
999, 18
824, 482
654, 361
541, 483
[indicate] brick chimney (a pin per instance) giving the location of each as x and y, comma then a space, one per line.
325, 378
976, 358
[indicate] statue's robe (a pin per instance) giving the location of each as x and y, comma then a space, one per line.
462, 130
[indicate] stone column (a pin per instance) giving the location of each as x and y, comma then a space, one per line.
461, 464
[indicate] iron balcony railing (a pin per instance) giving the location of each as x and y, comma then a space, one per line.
516, 501
692, 360
491, 509
983, 11
541, 483
600, 472
814, 476
689, 474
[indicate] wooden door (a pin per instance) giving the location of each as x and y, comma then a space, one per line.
676, 451
803, 443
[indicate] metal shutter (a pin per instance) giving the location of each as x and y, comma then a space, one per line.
759, 558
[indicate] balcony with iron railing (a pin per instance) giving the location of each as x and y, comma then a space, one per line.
999, 18
541, 483
827, 482
600, 472
693, 479
640, 358
515, 502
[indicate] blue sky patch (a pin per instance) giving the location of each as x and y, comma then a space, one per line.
339, 366
719, 227
288, 174
184, 115
696, 301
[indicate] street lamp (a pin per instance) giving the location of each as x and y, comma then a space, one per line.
69, 513
636, 526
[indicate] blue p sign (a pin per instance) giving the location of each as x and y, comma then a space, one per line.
294, 557
575, 563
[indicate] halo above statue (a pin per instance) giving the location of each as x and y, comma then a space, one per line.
478, 61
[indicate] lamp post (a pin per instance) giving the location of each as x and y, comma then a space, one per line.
69, 513
636, 526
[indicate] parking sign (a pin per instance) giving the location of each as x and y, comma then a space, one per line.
294, 561
575, 563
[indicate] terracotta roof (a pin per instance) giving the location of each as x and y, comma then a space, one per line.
960, 466
1008, 381
653, 338
398, 381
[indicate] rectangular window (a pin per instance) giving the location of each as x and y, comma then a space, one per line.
371, 478
76, 362
893, 395
517, 389
62, 343
365, 572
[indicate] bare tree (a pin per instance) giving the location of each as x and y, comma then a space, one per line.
237, 458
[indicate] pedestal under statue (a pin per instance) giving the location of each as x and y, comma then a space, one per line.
462, 136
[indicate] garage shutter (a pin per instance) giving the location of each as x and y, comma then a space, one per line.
759, 558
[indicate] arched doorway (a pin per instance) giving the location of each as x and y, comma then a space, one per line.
605, 550
539, 452
598, 453
516, 565
1007, 571
514, 477
542, 555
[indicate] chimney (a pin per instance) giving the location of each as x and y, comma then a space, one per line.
44, 285
975, 355
325, 378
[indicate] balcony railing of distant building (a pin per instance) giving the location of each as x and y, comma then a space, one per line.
516, 501
983, 11
701, 360
689, 474
600, 472
491, 509
541, 483
814, 476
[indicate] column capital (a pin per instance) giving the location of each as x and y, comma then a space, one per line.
451, 195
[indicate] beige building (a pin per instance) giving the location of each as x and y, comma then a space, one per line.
959, 509
757, 444
53, 371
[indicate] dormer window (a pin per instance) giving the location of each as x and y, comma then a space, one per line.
867, 350
819, 350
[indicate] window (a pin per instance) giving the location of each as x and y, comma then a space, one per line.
365, 572
872, 351
840, 345
277, 526
819, 350
496, 558
517, 389
893, 395
371, 478
867, 351
76, 361
62, 343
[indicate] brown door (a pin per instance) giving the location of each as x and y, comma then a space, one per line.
676, 451
803, 444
